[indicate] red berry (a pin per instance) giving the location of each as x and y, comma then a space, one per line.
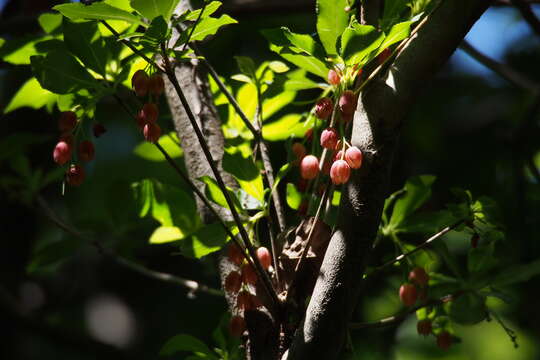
156, 84
151, 132
237, 326
333, 77
264, 257
140, 82
309, 167
99, 130
419, 276
444, 340
149, 113
299, 150
235, 254
75, 175
86, 151
424, 327
247, 301
408, 294
340, 172
329, 138
67, 137
323, 108
249, 276
338, 155
67, 121
347, 102
233, 282
353, 156
62, 152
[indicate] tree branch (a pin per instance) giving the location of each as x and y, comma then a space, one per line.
524, 8
377, 120
503, 70
192, 285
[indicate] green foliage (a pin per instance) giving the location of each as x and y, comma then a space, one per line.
293, 196
332, 19
244, 170
97, 11
150, 152
32, 95
184, 342
358, 42
152, 9
61, 73
83, 39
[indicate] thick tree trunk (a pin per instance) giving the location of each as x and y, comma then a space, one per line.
377, 120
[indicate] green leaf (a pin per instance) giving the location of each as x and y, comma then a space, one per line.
246, 66
151, 9
184, 342
150, 152
294, 197
290, 125
397, 33
157, 32
204, 241
417, 192
97, 11
50, 22
209, 26
213, 193
242, 78
332, 19
427, 223
278, 66
297, 80
392, 12
61, 73
481, 259
208, 10
19, 50
84, 40
31, 94
468, 309
168, 205
304, 43
358, 41
245, 171
280, 44
53, 254
487, 210
165, 234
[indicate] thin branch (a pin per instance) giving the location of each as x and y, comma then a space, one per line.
192, 285
504, 71
130, 46
524, 8
245, 237
257, 134
392, 320
194, 26
419, 247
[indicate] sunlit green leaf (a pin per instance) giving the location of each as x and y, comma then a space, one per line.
332, 19
210, 26
294, 197
97, 11
290, 125
397, 33
165, 234
358, 41
31, 94
170, 144
417, 191
84, 40
151, 9
244, 171
61, 73
50, 22
204, 241
214, 193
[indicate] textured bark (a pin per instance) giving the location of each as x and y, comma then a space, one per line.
377, 120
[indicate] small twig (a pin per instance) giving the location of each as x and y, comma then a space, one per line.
419, 247
524, 8
130, 46
392, 320
192, 285
504, 71
202, 141
194, 26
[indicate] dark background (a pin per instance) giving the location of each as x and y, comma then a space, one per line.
468, 127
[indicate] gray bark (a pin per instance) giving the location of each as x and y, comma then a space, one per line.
377, 120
